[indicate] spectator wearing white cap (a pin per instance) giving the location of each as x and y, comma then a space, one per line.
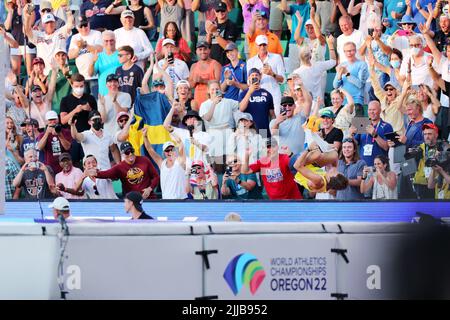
123, 120
142, 14
83, 47
177, 69
314, 41
300, 11
54, 141
49, 41
60, 206
42, 103
172, 168
44, 8
134, 37
272, 69
186, 102
112, 104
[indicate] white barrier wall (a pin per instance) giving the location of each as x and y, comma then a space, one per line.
164, 261
285, 266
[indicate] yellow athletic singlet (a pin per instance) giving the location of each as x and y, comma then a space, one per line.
301, 180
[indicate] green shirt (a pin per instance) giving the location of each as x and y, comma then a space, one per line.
62, 88
239, 192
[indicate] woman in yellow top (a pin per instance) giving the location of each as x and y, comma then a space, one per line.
311, 175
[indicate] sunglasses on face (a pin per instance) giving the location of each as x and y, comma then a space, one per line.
220, 11
347, 140
128, 152
231, 163
46, 10
287, 105
122, 120
390, 89
168, 150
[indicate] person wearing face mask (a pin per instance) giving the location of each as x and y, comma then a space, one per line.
78, 104
392, 68
416, 64
95, 141
172, 167
400, 38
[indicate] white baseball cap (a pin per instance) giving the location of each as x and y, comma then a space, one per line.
261, 39
168, 144
183, 83
168, 41
50, 115
308, 22
48, 18
61, 204
127, 13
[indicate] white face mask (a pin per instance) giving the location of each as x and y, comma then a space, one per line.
78, 91
414, 51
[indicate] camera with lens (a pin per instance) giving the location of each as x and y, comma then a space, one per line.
441, 159
58, 128
414, 153
228, 171
170, 58
191, 130
194, 171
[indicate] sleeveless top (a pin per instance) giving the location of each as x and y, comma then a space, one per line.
171, 13
201, 89
139, 17
303, 181
173, 181
382, 191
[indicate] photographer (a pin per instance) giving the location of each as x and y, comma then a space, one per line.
202, 183
427, 157
35, 178
54, 141
380, 179
236, 185
439, 180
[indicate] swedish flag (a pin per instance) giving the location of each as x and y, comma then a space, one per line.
150, 111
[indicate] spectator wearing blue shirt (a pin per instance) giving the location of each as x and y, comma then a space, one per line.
413, 136
105, 62
258, 102
234, 75
351, 166
393, 11
373, 143
418, 11
352, 76
94, 10
236, 185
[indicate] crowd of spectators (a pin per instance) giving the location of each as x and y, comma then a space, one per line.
249, 92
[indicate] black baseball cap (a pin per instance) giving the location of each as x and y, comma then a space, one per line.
64, 155
35, 88
94, 113
190, 114
124, 147
254, 70
221, 6
31, 121
203, 44
136, 198
287, 100
112, 77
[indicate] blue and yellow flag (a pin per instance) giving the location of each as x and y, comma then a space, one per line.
150, 111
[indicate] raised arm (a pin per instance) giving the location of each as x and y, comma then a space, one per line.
316, 27
52, 83
145, 89
148, 146
74, 132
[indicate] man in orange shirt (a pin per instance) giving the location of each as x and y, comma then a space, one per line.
258, 26
202, 72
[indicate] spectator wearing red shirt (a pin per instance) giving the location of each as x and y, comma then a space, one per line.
136, 173
182, 50
277, 178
